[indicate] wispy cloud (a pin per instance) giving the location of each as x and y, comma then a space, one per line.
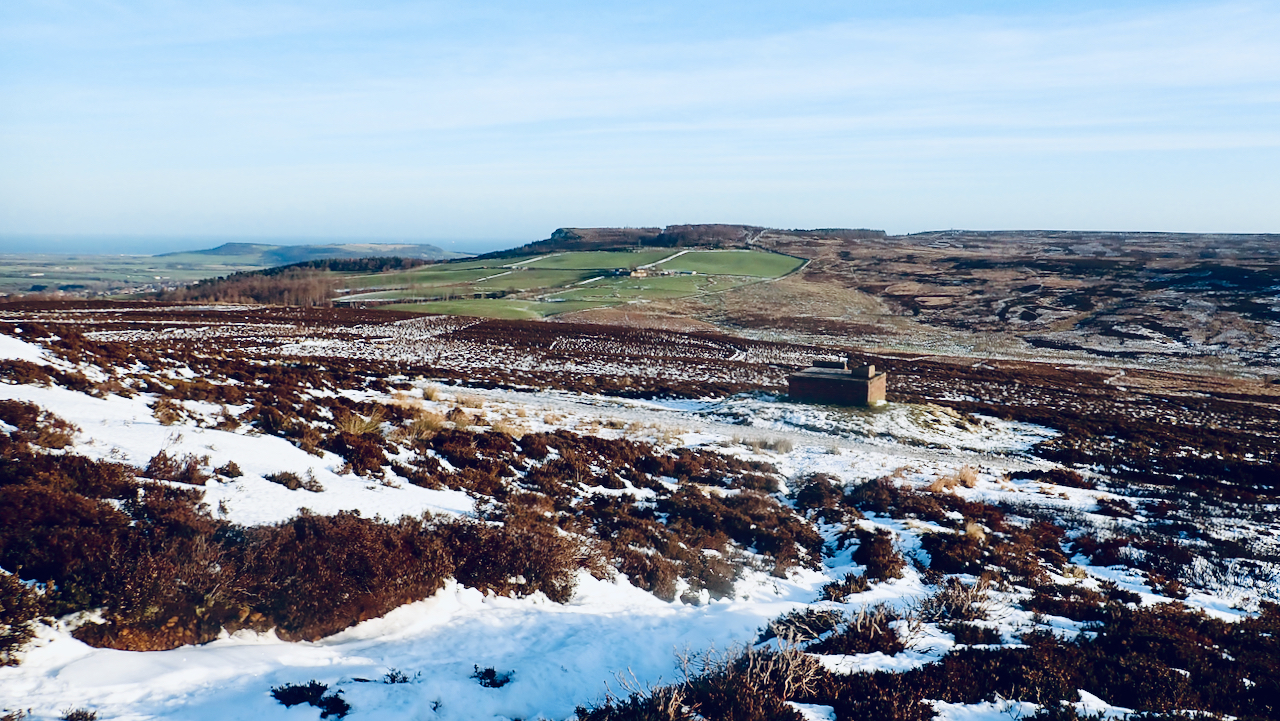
401, 92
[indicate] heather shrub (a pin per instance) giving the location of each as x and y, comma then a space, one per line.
188, 468
167, 573
490, 677
751, 684
26, 373
866, 631
36, 425
316, 575
395, 676
840, 590
1074, 602
745, 684
292, 694
1058, 476
876, 551
507, 560
955, 552
972, 634
362, 451
294, 482
19, 465
955, 601
18, 609
801, 625
312, 693
819, 496
885, 498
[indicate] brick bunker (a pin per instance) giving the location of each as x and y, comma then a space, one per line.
835, 383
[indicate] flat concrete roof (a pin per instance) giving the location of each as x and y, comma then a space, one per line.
834, 374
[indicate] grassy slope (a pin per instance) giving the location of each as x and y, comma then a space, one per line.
718, 270
735, 262
601, 260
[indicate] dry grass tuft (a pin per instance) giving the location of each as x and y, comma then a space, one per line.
967, 476
459, 418
424, 426
358, 425
407, 400
509, 429
168, 411
777, 445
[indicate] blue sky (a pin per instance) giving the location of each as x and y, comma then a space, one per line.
483, 123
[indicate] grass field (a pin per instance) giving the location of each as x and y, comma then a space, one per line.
660, 287
432, 275
537, 287
734, 262
600, 260
535, 279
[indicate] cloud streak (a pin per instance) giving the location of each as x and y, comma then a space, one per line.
406, 92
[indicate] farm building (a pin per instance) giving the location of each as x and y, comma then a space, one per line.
837, 383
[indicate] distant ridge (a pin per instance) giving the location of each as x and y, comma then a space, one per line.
265, 254
718, 235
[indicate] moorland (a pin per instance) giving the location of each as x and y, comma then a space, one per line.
584, 493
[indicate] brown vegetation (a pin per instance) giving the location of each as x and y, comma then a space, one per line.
169, 574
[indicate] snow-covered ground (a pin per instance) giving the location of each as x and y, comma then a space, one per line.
559, 655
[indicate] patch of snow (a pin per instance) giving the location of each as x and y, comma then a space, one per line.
12, 348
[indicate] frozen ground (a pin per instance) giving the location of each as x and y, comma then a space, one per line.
558, 655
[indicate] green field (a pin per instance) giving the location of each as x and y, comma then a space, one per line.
430, 276
537, 287
657, 288
735, 262
600, 260
535, 279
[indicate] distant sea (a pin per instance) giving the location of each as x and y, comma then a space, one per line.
154, 245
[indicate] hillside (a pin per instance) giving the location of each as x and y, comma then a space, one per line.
1161, 300
266, 255
291, 513
673, 236
555, 283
